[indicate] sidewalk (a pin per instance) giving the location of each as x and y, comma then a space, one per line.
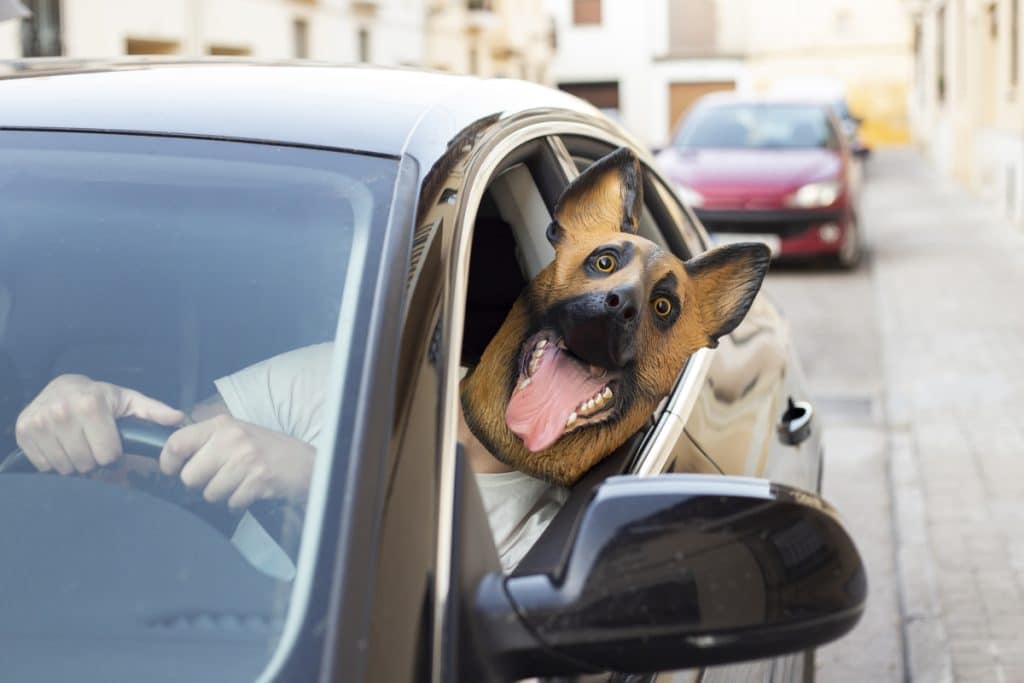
949, 283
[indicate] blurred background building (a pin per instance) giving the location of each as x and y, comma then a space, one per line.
647, 62
944, 73
504, 38
967, 106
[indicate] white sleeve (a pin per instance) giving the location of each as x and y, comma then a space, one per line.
285, 393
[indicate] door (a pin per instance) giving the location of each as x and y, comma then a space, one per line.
683, 95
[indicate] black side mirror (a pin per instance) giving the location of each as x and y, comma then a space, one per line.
678, 571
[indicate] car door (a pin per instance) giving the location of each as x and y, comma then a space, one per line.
452, 649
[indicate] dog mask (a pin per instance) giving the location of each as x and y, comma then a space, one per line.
597, 339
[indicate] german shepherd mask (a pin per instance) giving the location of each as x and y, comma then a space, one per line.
597, 339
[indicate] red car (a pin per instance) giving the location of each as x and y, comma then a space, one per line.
777, 170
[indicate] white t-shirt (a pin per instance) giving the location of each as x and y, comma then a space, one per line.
286, 393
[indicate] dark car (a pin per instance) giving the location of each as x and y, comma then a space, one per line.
775, 169
162, 225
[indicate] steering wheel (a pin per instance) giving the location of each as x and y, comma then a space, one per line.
147, 439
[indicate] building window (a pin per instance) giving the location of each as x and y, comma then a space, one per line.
40, 32
142, 46
604, 94
586, 12
483, 5
364, 44
1014, 42
300, 39
940, 54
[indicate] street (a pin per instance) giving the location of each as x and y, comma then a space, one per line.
917, 372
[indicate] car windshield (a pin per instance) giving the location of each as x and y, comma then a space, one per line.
756, 126
140, 276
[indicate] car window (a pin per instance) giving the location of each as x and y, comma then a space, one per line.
757, 126
136, 270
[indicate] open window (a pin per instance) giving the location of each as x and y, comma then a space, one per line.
509, 247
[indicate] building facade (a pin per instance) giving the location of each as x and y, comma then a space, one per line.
484, 37
647, 62
640, 63
492, 38
967, 105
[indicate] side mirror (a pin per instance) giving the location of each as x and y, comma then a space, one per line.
678, 571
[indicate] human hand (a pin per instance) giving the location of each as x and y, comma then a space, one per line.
238, 461
69, 427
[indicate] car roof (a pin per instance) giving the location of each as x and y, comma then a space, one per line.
381, 110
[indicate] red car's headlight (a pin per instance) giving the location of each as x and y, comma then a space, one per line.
815, 195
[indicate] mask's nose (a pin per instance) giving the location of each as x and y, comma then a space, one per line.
621, 303
600, 327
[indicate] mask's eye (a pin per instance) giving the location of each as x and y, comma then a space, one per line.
606, 263
662, 306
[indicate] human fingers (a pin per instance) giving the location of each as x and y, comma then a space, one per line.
183, 444
204, 465
248, 492
72, 439
125, 402
50, 450
104, 441
31, 450
224, 482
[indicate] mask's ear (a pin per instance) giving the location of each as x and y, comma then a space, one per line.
605, 198
725, 282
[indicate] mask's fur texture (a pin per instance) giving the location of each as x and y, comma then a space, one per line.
608, 320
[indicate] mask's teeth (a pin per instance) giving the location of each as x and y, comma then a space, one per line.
561, 344
594, 403
540, 345
571, 421
533, 364
523, 384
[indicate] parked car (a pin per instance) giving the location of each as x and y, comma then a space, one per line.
775, 169
833, 93
163, 224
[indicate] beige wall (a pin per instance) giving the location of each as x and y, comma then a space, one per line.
865, 45
262, 28
511, 39
10, 41
975, 130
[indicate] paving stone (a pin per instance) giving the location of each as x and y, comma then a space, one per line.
954, 382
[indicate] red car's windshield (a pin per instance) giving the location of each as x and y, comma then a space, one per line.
757, 126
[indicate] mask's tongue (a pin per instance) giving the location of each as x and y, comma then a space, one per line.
537, 414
